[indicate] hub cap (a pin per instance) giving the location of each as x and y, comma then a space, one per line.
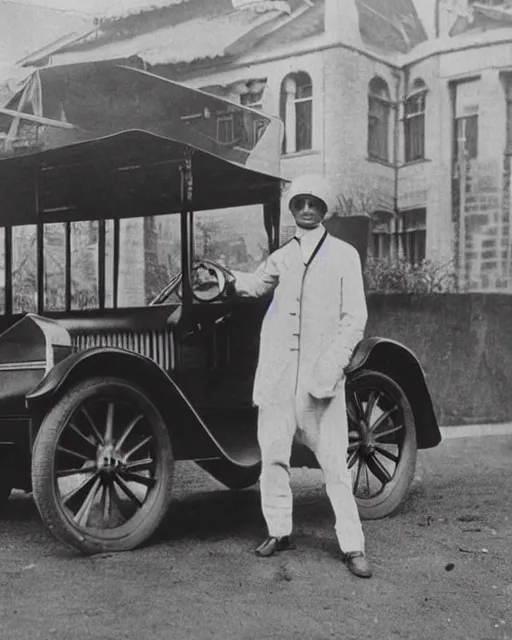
105, 465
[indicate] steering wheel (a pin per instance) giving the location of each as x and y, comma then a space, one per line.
210, 281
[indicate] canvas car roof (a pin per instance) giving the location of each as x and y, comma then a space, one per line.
107, 140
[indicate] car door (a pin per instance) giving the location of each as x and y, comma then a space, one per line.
218, 341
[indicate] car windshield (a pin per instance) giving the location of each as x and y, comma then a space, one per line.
235, 238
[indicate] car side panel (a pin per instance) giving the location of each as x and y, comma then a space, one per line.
191, 437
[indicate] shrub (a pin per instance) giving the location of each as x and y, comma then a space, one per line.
400, 276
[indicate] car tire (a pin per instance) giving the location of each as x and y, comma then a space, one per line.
389, 451
71, 446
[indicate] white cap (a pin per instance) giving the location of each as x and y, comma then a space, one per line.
312, 185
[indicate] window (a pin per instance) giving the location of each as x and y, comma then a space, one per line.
297, 112
381, 240
412, 235
414, 122
79, 263
72, 266
467, 98
84, 265
467, 136
403, 237
379, 109
24, 269
54, 235
2, 270
509, 117
149, 256
234, 237
231, 126
225, 129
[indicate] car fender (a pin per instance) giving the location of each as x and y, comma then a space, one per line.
191, 439
399, 363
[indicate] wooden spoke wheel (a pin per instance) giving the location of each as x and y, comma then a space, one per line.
102, 466
382, 443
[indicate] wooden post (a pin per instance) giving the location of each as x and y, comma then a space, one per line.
187, 191
8, 269
39, 244
272, 218
101, 263
67, 264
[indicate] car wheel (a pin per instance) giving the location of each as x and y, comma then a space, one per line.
230, 475
382, 443
102, 466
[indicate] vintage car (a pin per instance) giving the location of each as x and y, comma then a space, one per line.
100, 392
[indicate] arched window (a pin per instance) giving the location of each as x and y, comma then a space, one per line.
297, 112
379, 108
414, 122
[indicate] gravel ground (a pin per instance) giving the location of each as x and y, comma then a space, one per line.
442, 565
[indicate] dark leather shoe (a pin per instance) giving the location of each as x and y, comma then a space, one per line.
271, 545
358, 564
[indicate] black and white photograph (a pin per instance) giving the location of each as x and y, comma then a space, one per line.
256, 319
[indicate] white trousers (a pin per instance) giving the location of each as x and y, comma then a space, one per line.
322, 426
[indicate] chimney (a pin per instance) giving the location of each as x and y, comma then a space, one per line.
342, 22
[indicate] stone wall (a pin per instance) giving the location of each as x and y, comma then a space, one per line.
463, 342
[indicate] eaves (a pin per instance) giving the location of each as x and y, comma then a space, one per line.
296, 50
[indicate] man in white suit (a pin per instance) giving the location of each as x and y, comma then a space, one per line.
310, 330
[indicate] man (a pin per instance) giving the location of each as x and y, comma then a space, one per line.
310, 330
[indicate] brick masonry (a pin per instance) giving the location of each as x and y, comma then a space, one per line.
483, 206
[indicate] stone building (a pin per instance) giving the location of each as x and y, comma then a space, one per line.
403, 104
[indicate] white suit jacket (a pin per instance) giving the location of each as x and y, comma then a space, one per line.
316, 318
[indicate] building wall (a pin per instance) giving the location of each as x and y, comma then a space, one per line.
467, 222
427, 183
480, 227
340, 80
347, 75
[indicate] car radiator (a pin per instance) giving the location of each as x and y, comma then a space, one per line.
157, 345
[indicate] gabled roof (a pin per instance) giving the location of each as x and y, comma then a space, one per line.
196, 39
214, 31
301, 25
180, 33
483, 16
391, 26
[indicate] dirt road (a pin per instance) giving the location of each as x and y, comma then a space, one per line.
443, 567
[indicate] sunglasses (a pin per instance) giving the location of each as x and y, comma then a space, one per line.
300, 202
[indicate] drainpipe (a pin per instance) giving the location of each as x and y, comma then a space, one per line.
396, 139
437, 18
